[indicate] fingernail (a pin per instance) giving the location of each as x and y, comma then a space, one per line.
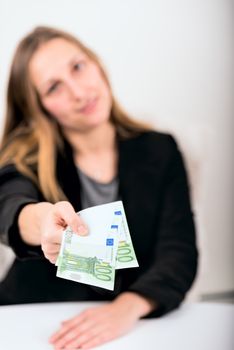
82, 230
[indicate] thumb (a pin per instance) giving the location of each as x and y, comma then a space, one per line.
79, 226
66, 211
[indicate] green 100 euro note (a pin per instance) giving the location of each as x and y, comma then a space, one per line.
93, 259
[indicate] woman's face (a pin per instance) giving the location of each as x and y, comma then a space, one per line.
70, 85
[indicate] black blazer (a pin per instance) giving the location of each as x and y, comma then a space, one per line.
154, 189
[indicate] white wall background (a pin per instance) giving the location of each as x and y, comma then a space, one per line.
170, 63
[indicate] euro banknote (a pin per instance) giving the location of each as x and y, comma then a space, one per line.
92, 259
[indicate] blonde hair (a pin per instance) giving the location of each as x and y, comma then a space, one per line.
31, 139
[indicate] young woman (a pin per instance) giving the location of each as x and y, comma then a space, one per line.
67, 145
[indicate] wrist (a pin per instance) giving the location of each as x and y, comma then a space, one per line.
137, 304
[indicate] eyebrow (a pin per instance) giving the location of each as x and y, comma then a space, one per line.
50, 81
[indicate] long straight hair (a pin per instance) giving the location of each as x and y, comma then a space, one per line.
31, 138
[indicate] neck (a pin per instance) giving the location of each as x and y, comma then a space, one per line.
97, 140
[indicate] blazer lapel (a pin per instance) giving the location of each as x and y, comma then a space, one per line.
137, 187
68, 177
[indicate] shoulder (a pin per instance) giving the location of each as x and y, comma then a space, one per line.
8, 172
152, 145
156, 139
11, 178
152, 138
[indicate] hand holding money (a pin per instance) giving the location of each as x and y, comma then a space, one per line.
94, 258
58, 217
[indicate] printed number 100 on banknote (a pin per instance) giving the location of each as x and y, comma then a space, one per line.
93, 259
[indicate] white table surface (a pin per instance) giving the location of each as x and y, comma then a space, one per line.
198, 326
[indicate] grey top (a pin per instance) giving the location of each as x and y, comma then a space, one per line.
96, 193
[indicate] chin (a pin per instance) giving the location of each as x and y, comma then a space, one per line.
87, 123
97, 120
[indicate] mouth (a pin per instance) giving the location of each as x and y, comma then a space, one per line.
89, 107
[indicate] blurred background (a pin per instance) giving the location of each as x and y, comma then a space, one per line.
171, 64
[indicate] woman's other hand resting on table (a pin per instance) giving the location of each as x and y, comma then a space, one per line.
98, 325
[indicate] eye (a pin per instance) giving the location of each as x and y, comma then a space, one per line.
78, 66
52, 88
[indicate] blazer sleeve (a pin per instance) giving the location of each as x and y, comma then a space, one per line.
174, 262
16, 190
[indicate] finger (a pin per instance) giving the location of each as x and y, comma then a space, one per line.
90, 340
52, 236
78, 318
96, 341
74, 333
70, 336
51, 248
66, 326
66, 211
51, 253
51, 257
57, 336
92, 325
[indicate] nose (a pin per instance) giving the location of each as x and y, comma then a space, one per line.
75, 89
